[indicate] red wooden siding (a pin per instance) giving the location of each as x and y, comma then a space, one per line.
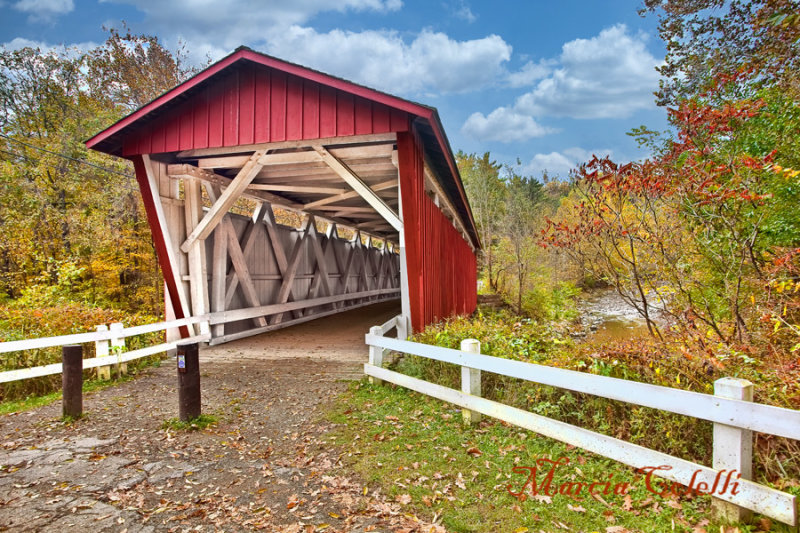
257, 104
442, 269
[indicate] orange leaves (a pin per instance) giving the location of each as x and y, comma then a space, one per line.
294, 501
474, 452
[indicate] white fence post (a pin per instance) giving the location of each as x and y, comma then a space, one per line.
402, 327
376, 354
117, 347
733, 447
101, 350
470, 380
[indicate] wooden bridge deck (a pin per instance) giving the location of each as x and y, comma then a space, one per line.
338, 337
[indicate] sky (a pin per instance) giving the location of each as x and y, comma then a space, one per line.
540, 84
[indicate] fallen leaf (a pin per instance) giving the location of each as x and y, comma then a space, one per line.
294, 501
627, 504
404, 499
675, 504
543, 498
576, 508
474, 452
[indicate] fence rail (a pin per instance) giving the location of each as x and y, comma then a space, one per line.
733, 419
101, 339
105, 335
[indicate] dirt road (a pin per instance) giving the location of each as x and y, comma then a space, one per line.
264, 466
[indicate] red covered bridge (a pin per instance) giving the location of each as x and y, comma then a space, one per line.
373, 177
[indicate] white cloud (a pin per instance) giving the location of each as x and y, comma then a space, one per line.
611, 75
44, 10
382, 59
235, 22
503, 125
72, 48
530, 72
463, 11
561, 163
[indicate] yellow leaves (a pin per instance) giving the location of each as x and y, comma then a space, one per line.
787, 173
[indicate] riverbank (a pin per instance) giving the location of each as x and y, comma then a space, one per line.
604, 316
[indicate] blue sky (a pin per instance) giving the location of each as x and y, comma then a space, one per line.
545, 82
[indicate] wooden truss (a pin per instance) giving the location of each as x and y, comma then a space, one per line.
250, 275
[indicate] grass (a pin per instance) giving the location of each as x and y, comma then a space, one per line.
195, 424
417, 450
33, 401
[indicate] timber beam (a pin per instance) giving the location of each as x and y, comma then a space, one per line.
360, 187
349, 195
375, 138
186, 171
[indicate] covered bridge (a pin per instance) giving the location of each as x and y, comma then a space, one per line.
384, 213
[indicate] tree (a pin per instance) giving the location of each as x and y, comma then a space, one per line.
706, 38
522, 196
71, 218
703, 224
486, 192
131, 70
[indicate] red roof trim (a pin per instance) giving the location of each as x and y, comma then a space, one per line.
297, 70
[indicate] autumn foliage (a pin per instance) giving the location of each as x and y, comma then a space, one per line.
706, 232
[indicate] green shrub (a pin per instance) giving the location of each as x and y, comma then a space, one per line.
666, 364
18, 322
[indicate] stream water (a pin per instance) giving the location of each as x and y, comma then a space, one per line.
605, 316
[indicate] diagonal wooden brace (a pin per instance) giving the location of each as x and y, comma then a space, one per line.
214, 216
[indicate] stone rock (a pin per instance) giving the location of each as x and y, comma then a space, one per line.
128, 484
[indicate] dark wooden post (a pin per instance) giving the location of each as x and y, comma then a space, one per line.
72, 380
188, 381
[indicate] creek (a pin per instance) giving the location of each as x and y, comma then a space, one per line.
606, 316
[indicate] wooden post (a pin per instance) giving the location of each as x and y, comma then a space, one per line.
733, 447
198, 266
101, 350
402, 326
72, 380
375, 354
117, 347
470, 380
219, 273
188, 381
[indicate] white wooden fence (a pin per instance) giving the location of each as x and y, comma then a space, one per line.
734, 418
104, 335
101, 338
